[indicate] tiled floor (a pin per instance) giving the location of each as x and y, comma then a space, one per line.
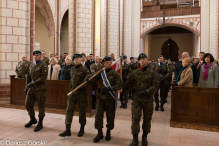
12, 128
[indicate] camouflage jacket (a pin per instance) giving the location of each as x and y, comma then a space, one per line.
60, 62
46, 60
133, 66
162, 71
37, 75
22, 68
94, 68
143, 80
115, 82
77, 75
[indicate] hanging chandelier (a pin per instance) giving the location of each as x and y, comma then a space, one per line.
164, 20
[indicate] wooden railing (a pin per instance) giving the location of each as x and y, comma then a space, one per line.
171, 12
195, 108
56, 94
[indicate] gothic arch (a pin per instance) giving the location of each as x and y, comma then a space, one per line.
190, 23
46, 10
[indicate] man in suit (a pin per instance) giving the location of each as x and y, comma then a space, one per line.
113, 57
91, 59
179, 64
196, 68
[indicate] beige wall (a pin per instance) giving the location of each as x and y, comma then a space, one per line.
42, 33
64, 35
156, 41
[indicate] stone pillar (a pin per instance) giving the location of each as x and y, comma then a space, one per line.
214, 28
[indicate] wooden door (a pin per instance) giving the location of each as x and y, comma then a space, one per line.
170, 50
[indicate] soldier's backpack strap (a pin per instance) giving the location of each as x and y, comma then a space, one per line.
107, 84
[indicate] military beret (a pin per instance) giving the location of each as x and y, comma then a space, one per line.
77, 56
132, 58
107, 58
142, 55
37, 52
124, 56
160, 56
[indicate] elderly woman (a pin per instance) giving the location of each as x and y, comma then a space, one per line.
185, 77
64, 73
54, 68
208, 73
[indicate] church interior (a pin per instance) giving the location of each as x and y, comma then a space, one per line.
124, 33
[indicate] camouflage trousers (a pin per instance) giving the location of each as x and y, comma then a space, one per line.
108, 106
73, 100
162, 93
139, 105
31, 98
124, 97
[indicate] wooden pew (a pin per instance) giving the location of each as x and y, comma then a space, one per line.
56, 95
195, 108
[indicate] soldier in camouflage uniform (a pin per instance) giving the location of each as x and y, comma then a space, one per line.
163, 74
145, 83
78, 73
105, 102
126, 70
44, 58
133, 66
36, 90
95, 67
171, 69
22, 67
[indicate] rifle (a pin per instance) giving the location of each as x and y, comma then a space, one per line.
85, 82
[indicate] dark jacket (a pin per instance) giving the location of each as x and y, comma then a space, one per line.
64, 73
178, 69
196, 72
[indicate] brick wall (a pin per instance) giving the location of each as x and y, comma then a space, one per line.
14, 41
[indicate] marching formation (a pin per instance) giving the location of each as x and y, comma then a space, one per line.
140, 81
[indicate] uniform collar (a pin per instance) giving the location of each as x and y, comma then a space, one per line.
143, 68
109, 69
77, 66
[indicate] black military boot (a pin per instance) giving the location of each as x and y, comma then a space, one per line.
31, 122
144, 138
161, 107
125, 105
81, 132
122, 104
135, 140
39, 125
157, 106
67, 132
108, 135
99, 136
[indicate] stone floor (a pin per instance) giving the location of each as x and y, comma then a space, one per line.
12, 128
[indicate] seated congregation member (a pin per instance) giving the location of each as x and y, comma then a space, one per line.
196, 68
106, 100
22, 67
54, 69
145, 82
208, 73
179, 64
78, 73
64, 73
35, 90
185, 76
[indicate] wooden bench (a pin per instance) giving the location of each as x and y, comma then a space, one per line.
195, 108
56, 96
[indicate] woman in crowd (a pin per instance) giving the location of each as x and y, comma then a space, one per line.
64, 73
54, 68
185, 77
208, 73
